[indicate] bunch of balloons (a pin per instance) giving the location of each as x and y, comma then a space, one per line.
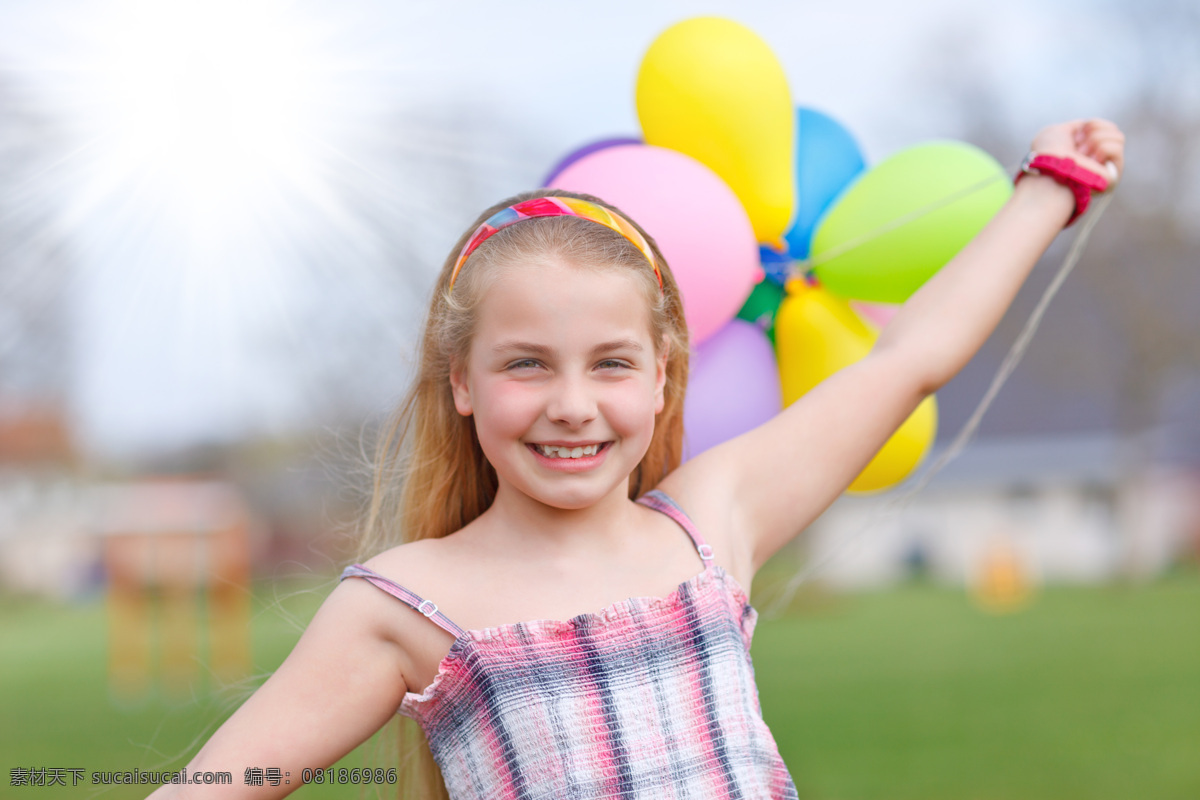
740, 189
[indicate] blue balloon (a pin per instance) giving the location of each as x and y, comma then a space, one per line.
827, 160
776, 265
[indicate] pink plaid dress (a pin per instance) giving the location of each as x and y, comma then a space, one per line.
649, 698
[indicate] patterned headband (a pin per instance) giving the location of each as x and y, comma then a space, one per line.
555, 207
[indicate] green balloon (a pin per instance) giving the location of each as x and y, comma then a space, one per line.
902, 220
761, 305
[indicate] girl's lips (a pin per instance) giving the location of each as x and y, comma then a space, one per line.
580, 464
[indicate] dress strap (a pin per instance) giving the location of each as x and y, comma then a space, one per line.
659, 501
426, 607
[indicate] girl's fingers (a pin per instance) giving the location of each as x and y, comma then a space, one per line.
1093, 143
1100, 130
1110, 148
1107, 134
1103, 142
1098, 124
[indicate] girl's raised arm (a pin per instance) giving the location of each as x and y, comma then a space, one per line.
771, 482
339, 685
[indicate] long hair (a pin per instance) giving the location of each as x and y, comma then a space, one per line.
431, 476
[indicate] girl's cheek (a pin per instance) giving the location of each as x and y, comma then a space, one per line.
514, 399
630, 405
514, 392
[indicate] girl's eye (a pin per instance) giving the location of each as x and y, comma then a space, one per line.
611, 363
523, 363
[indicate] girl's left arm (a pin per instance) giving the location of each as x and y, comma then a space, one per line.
768, 484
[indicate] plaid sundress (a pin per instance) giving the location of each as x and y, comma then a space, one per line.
649, 698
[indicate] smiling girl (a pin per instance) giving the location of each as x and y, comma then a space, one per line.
568, 615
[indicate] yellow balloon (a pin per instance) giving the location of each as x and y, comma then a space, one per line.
817, 334
712, 89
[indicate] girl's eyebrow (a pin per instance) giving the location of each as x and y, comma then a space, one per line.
544, 350
526, 347
618, 344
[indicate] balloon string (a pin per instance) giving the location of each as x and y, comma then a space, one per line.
806, 265
894, 507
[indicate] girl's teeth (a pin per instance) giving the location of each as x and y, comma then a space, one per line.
553, 451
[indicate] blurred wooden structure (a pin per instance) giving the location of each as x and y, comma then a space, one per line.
177, 559
172, 553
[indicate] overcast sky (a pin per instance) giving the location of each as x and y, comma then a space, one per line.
192, 276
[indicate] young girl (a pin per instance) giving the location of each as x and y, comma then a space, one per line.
553, 637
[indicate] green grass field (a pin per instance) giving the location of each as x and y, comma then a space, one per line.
1089, 692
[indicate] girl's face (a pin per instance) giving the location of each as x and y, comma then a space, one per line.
562, 357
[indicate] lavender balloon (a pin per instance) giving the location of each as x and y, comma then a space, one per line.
733, 387
583, 152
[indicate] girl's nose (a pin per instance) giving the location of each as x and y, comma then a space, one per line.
572, 402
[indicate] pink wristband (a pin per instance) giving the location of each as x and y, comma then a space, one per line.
1080, 181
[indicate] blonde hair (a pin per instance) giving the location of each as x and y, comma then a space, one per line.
431, 476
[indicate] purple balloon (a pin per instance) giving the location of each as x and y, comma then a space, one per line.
586, 150
733, 387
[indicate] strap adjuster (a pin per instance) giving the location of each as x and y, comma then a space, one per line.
706, 552
432, 608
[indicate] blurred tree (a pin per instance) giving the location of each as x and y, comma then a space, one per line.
404, 197
1143, 267
1122, 335
1124, 328
35, 335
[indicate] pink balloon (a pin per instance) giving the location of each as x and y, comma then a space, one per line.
877, 314
733, 387
698, 222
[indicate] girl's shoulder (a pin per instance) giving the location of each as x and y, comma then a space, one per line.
700, 494
450, 572
425, 566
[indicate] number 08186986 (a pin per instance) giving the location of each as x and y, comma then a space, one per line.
352, 776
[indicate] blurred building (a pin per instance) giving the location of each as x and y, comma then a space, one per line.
288, 501
1065, 509
45, 544
63, 532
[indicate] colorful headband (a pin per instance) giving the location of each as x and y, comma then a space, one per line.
555, 207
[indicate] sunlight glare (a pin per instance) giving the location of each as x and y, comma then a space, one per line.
209, 99
249, 203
